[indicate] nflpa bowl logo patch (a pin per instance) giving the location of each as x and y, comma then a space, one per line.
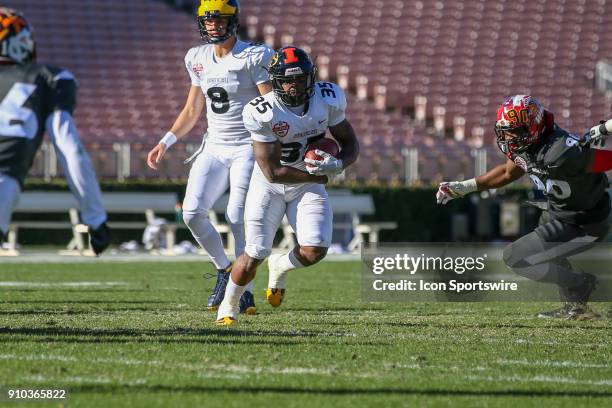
281, 129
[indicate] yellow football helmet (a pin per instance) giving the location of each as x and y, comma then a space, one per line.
229, 9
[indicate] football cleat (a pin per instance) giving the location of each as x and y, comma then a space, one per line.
571, 311
99, 238
247, 303
216, 297
275, 296
226, 321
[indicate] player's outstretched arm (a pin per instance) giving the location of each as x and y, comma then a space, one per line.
497, 177
77, 165
186, 120
268, 155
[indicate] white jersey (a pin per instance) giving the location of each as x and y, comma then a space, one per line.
269, 120
228, 84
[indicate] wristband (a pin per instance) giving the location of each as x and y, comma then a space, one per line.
469, 186
169, 139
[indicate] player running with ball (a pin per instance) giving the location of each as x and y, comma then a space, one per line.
282, 125
572, 175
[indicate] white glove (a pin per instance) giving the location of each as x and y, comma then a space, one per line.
597, 135
450, 190
328, 166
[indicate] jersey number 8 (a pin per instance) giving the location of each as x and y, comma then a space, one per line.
219, 99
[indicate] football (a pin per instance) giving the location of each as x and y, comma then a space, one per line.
325, 144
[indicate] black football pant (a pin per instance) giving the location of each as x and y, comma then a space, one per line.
542, 254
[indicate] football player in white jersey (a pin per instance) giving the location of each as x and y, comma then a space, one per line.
282, 125
226, 73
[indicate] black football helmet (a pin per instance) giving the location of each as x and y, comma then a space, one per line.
292, 64
16, 41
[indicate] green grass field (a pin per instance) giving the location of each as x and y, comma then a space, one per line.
141, 337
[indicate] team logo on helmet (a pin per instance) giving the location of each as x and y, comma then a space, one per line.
281, 129
16, 42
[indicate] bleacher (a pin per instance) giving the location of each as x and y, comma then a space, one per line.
425, 75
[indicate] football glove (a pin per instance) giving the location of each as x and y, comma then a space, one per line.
328, 166
597, 135
449, 190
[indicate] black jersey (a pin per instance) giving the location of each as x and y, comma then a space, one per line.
559, 167
28, 95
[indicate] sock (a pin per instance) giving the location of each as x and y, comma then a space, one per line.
239, 241
249, 286
231, 301
283, 265
207, 236
287, 262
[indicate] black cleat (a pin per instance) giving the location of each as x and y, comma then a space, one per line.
571, 311
216, 297
99, 238
247, 303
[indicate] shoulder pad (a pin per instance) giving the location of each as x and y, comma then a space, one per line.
250, 109
331, 94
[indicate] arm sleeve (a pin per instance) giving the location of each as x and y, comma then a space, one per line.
259, 70
77, 165
194, 75
259, 131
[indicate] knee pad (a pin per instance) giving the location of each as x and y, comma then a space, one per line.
257, 252
190, 218
234, 215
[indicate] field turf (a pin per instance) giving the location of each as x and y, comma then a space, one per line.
136, 334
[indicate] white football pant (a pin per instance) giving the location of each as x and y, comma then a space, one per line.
306, 206
216, 168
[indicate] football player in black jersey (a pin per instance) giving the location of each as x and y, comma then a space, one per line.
572, 176
35, 97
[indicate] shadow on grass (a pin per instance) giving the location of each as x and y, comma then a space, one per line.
245, 389
170, 335
497, 325
86, 301
46, 312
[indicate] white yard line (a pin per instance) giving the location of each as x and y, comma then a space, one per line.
83, 380
539, 378
84, 284
552, 363
207, 369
